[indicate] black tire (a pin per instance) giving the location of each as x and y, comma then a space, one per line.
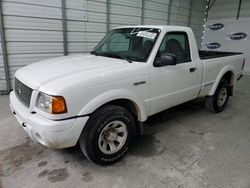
99, 120
211, 102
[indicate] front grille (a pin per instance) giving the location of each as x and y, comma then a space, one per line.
23, 92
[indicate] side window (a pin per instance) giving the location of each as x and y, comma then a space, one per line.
176, 43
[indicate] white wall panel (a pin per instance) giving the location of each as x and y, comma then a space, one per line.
86, 16
180, 13
152, 5
224, 37
12, 71
124, 13
228, 9
197, 20
150, 21
125, 20
33, 31
2, 83
54, 3
87, 5
18, 22
122, 10
34, 47
30, 10
127, 3
86, 24
156, 12
158, 15
2, 75
16, 35
81, 47
245, 7
84, 36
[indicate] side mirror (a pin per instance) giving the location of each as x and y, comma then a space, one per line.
165, 59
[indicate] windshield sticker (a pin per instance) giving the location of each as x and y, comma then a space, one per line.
135, 30
146, 34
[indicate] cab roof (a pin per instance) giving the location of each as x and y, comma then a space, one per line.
162, 27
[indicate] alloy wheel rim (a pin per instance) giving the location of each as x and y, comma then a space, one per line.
222, 97
113, 137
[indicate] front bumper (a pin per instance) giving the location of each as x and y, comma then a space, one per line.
51, 133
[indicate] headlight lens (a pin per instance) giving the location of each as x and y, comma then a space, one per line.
51, 104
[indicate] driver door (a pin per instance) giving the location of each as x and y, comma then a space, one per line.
175, 84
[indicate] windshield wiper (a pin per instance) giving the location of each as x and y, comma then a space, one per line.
113, 54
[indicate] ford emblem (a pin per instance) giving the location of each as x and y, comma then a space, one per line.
216, 26
238, 36
213, 45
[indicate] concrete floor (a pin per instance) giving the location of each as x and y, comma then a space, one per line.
186, 146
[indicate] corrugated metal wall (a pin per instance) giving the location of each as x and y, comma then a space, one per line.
189, 13
34, 29
2, 75
86, 24
157, 12
125, 12
229, 9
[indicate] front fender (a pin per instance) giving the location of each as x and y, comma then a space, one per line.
114, 95
228, 68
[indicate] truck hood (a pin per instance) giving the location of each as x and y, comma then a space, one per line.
68, 69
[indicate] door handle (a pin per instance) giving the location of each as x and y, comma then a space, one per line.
192, 69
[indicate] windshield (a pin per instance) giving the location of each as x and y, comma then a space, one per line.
131, 44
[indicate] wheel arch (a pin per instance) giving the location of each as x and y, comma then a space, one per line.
121, 98
226, 73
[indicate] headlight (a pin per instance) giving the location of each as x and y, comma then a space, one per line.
51, 104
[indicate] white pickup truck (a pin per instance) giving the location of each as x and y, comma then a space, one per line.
100, 100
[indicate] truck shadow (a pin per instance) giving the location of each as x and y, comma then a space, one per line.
148, 145
175, 113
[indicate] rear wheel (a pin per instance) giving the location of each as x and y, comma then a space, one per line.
218, 101
107, 135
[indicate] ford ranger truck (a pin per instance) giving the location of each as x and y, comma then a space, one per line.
101, 99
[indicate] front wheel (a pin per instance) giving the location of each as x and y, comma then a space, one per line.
218, 101
107, 135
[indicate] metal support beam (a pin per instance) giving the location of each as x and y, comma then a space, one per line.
207, 9
169, 10
238, 11
4, 50
212, 4
64, 27
142, 11
108, 15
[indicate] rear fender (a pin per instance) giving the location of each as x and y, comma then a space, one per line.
228, 68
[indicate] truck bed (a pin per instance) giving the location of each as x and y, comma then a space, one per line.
215, 54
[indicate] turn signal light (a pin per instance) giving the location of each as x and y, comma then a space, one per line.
58, 105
